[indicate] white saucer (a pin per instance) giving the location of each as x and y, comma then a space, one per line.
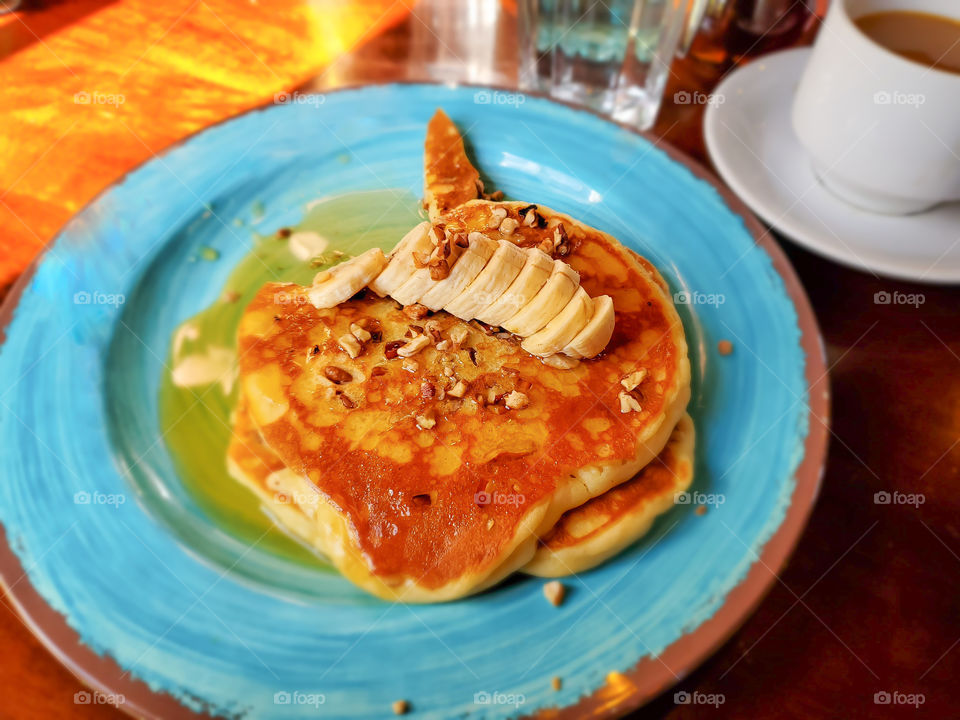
751, 141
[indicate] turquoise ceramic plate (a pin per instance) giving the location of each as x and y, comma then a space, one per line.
149, 584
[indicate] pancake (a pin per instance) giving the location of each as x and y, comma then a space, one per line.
449, 178
600, 528
404, 467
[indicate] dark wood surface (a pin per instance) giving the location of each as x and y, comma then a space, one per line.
869, 602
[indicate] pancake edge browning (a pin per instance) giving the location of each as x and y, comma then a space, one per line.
610, 538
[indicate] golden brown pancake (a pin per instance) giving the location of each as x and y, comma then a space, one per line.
600, 528
450, 179
405, 495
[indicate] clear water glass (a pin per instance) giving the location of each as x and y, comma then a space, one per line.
612, 56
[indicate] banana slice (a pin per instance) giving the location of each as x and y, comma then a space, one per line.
563, 328
421, 282
547, 303
334, 286
596, 333
471, 262
491, 283
401, 266
534, 275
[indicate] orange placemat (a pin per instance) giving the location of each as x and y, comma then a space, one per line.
92, 88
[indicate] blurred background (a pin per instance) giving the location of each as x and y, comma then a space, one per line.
110, 83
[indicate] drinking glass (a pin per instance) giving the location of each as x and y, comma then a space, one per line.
612, 56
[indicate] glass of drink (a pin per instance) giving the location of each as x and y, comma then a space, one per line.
612, 56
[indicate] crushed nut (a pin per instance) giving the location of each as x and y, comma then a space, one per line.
410, 365
528, 214
443, 345
631, 381
490, 524
337, 375
473, 355
390, 349
413, 346
561, 242
556, 683
531, 217
420, 259
448, 371
427, 390
400, 707
439, 269
426, 422
416, 311
458, 390
377, 371
516, 400
231, 296
346, 401
561, 362
432, 328
359, 333
508, 226
462, 241
497, 216
725, 347
457, 335
349, 345
554, 591
628, 403
492, 396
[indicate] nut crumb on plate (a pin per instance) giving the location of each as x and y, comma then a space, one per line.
554, 591
400, 707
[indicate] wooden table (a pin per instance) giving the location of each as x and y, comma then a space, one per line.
869, 602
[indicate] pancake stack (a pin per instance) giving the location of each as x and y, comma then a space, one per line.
505, 391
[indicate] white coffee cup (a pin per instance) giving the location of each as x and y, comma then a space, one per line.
883, 132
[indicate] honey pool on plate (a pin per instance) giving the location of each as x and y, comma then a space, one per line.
196, 420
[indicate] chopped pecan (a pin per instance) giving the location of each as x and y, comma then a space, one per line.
416, 311
337, 375
413, 346
516, 400
350, 345
361, 334
390, 349
458, 390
